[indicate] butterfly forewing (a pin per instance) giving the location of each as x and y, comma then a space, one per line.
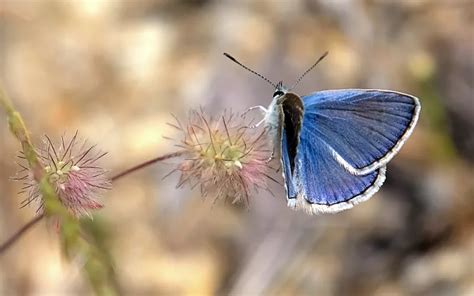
364, 128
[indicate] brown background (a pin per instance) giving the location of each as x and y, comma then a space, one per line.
115, 70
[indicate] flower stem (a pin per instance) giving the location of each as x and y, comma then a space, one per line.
19, 233
145, 164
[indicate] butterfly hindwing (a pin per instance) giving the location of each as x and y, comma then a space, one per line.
363, 128
323, 185
288, 176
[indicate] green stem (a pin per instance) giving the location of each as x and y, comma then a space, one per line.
72, 240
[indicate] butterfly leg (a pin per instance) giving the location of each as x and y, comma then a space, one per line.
262, 109
257, 124
272, 156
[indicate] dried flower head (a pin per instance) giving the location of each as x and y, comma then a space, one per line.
223, 156
72, 171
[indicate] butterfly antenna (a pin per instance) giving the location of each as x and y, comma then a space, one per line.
310, 68
248, 69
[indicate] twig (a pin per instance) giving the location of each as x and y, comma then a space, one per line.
19, 233
145, 164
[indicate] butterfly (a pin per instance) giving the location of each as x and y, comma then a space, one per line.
334, 145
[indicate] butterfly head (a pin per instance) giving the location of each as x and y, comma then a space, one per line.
280, 90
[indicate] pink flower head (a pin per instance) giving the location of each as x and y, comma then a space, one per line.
226, 158
72, 171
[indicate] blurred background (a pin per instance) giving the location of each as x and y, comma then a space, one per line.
115, 70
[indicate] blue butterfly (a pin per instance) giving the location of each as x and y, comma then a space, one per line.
334, 145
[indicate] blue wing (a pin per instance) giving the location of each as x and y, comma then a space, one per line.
346, 139
322, 184
363, 128
286, 167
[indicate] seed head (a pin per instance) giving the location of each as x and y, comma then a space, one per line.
72, 170
223, 156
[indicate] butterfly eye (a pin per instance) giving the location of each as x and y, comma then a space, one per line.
278, 93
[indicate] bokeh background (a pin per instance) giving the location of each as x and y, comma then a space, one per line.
115, 70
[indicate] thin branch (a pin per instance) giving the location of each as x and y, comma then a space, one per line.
7, 244
145, 164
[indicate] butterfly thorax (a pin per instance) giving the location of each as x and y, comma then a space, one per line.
273, 115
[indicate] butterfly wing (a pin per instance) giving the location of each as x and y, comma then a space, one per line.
291, 112
346, 138
322, 184
314, 180
363, 129
287, 171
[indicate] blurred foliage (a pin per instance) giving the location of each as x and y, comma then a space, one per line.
437, 120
